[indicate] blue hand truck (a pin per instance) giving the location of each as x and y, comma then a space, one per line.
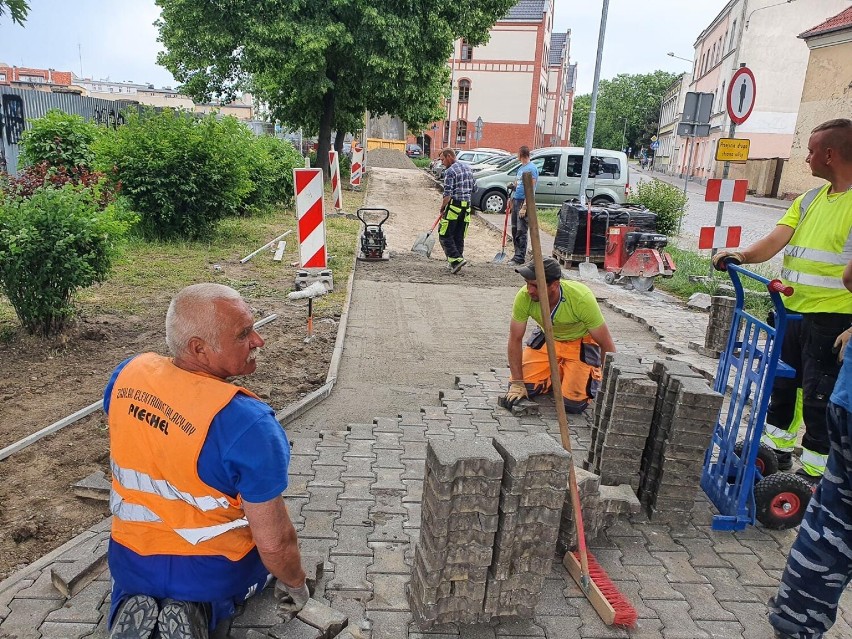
741, 475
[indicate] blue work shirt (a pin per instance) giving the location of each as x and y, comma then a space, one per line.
529, 167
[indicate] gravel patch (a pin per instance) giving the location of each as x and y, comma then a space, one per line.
389, 159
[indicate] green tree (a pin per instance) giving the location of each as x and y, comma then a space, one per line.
18, 9
627, 113
320, 65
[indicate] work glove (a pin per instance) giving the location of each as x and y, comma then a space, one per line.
522, 213
517, 392
721, 259
841, 342
291, 600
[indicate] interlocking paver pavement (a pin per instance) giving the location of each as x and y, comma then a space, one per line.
355, 497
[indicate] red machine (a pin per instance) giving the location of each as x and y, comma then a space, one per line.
636, 257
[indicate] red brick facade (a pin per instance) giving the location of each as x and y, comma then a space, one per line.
26, 75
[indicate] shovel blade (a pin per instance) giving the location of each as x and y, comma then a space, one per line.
500, 258
588, 271
424, 244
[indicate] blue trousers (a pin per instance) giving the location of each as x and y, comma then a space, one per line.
820, 563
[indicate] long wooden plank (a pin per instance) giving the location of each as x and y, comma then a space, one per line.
593, 594
49, 430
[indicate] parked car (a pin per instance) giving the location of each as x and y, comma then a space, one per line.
494, 151
493, 163
474, 157
559, 179
413, 151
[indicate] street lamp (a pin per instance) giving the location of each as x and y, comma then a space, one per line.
672, 55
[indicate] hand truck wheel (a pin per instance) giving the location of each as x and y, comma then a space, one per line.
766, 462
609, 277
780, 500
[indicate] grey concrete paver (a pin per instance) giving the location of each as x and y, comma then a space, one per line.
685, 579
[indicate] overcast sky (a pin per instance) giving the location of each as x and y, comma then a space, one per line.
118, 40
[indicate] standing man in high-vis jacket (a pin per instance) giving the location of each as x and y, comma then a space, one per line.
816, 235
199, 465
455, 209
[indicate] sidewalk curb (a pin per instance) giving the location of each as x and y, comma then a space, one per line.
299, 408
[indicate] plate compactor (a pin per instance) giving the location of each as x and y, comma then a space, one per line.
373, 241
636, 257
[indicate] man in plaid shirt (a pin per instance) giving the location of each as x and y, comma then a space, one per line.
458, 185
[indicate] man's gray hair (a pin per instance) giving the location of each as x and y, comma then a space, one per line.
192, 313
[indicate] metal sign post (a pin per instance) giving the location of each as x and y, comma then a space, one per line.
739, 108
695, 124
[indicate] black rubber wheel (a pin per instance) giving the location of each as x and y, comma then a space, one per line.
602, 200
780, 500
609, 277
766, 461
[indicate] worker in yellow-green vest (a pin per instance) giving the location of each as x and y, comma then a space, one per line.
816, 235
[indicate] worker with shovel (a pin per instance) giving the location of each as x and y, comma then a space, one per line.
581, 334
519, 215
456, 209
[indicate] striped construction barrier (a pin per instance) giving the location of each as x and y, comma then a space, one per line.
334, 170
311, 218
357, 166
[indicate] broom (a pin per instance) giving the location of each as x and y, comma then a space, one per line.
611, 605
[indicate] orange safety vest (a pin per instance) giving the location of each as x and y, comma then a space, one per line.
159, 416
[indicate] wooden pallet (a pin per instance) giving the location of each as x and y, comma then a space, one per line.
569, 260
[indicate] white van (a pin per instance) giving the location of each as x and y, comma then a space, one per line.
558, 179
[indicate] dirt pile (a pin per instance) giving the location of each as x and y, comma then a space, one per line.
389, 159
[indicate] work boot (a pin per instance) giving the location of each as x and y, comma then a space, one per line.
811, 479
183, 620
136, 618
457, 266
785, 460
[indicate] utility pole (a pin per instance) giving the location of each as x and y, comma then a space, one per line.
624, 135
590, 128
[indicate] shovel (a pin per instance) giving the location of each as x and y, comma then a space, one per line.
501, 256
588, 270
425, 242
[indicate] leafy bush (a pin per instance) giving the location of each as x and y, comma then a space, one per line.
421, 163
667, 201
180, 173
37, 176
51, 244
271, 162
61, 140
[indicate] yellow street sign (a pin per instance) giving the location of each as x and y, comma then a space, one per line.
732, 150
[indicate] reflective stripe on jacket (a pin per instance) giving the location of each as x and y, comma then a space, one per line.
159, 416
817, 253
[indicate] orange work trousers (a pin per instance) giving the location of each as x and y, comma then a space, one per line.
579, 364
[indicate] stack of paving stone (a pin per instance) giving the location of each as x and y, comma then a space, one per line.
719, 325
623, 414
685, 414
489, 524
535, 480
459, 520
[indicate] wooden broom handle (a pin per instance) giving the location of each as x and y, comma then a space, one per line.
555, 377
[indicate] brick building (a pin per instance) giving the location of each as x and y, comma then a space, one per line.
38, 79
520, 83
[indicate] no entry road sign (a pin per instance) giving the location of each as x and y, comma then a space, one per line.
741, 95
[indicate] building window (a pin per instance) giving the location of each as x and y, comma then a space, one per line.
461, 132
733, 35
466, 51
2, 77
31, 78
722, 98
464, 90
446, 133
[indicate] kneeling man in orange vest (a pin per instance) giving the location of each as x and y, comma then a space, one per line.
199, 466
580, 333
